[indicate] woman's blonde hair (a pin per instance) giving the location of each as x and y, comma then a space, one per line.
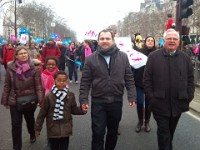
19, 48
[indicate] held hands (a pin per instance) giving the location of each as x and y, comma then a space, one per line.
37, 134
132, 103
7, 106
84, 108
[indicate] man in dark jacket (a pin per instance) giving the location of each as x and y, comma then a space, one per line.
169, 86
108, 71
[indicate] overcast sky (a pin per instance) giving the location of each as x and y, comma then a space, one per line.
83, 15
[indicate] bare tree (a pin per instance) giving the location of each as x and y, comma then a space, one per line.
37, 18
4, 2
151, 22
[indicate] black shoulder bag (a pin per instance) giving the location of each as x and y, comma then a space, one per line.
24, 103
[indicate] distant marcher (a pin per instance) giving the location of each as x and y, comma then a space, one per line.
71, 58
106, 72
87, 46
8, 54
58, 106
170, 22
41, 46
169, 87
143, 111
33, 51
3, 50
61, 64
50, 50
80, 52
22, 79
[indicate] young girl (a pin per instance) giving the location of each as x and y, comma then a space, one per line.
58, 106
51, 64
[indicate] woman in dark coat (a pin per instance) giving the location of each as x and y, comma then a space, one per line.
27, 81
143, 112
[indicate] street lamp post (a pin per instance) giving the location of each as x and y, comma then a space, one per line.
178, 19
15, 14
9, 35
15, 25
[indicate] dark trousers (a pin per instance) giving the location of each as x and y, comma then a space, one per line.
59, 143
16, 121
165, 130
105, 115
61, 66
73, 71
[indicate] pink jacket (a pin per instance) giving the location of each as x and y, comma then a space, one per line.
88, 51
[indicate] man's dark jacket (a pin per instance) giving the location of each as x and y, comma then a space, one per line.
169, 82
107, 83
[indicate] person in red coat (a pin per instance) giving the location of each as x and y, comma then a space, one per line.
50, 50
8, 54
170, 21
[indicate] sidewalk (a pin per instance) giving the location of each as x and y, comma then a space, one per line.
195, 104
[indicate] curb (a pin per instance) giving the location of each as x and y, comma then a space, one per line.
195, 108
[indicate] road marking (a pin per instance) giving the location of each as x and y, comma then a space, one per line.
192, 115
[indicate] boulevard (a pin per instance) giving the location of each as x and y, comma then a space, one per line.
187, 135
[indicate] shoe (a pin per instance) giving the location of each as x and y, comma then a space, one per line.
77, 82
138, 127
70, 81
32, 139
147, 127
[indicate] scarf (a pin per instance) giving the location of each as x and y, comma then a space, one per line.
72, 50
59, 106
109, 51
50, 78
23, 69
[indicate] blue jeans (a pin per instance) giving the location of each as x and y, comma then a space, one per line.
142, 102
140, 97
73, 71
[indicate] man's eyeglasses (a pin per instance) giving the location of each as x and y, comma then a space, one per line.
171, 39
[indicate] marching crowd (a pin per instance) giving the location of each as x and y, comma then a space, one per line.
163, 87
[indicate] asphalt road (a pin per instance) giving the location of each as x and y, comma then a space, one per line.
187, 135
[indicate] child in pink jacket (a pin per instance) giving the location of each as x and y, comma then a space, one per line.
47, 75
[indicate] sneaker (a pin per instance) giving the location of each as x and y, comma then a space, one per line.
77, 82
70, 81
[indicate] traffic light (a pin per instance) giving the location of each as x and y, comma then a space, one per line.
185, 10
20, 1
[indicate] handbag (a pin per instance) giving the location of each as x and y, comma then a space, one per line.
25, 103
